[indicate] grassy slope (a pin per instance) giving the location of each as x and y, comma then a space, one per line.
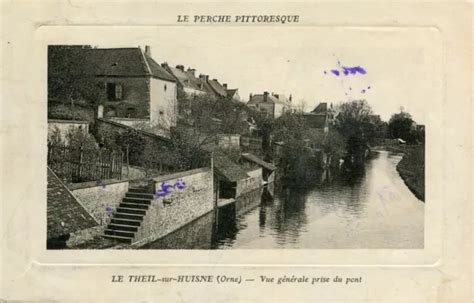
412, 170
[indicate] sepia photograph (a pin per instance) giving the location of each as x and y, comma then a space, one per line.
193, 143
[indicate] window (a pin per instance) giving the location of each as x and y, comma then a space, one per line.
114, 91
165, 87
131, 112
161, 113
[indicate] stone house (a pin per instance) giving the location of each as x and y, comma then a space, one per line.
187, 80
132, 84
273, 105
318, 123
232, 94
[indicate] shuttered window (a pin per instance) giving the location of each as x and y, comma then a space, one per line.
114, 91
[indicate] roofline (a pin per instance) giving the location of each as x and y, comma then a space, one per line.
137, 130
70, 192
146, 62
135, 76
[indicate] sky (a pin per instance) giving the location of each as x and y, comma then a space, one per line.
402, 65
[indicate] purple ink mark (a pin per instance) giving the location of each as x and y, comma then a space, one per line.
180, 184
109, 209
335, 72
165, 188
354, 70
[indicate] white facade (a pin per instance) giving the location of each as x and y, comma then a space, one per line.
163, 104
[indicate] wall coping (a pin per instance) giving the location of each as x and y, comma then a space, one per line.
90, 184
67, 121
181, 174
128, 119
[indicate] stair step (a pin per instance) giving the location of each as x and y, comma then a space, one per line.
139, 195
113, 226
127, 240
119, 233
138, 190
125, 222
137, 200
130, 211
128, 216
134, 205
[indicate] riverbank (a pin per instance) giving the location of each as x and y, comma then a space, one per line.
412, 169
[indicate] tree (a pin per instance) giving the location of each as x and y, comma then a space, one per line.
70, 82
354, 124
400, 125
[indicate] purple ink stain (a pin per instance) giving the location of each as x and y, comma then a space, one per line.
180, 184
335, 72
109, 209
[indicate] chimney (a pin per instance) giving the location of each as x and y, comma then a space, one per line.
180, 67
250, 96
191, 70
100, 111
164, 65
290, 98
203, 77
225, 85
148, 50
265, 96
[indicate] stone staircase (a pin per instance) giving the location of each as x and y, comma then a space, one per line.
128, 217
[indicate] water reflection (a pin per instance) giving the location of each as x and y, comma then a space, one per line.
371, 210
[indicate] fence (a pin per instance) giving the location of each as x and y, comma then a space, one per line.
251, 145
82, 165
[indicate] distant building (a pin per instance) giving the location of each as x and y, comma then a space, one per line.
318, 122
134, 85
187, 80
320, 118
232, 94
219, 89
272, 104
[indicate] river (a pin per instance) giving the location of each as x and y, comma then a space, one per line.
372, 210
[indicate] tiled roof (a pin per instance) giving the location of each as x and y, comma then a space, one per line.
257, 99
64, 213
315, 120
118, 62
158, 71
224, 167
257, 160
217, 88
321, 108
231, 92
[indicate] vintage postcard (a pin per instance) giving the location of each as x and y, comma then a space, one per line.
292, 152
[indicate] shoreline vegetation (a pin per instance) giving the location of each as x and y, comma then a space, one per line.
411, 167
412, 170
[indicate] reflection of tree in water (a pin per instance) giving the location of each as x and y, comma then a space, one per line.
289, 217
339, 189
267, 202
226, 226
